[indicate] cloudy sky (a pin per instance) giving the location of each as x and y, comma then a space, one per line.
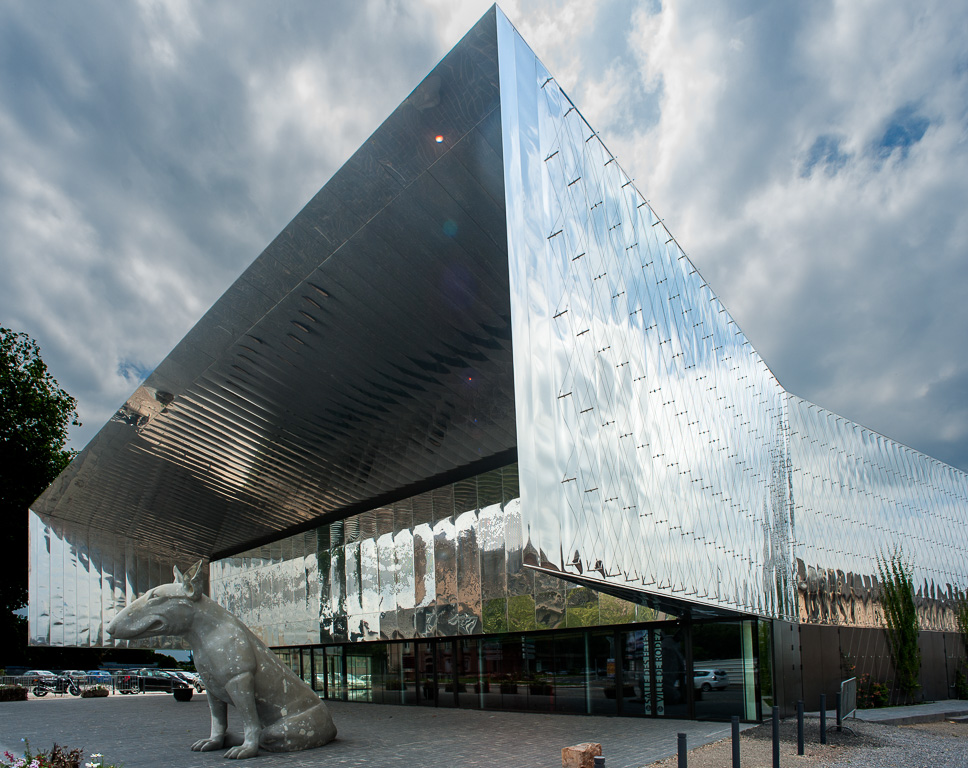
811, 158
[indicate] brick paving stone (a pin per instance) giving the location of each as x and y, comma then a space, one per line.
155, 731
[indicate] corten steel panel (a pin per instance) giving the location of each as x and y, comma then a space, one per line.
866, 648
955, 657
787, 666
811, 657
825, 656
933, 677
366, 350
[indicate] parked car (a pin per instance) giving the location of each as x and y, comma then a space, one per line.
710, 679
189, 677
32, 675
98, 677
145, 680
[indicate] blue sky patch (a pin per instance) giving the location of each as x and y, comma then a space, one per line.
906, 128
133, 371
825, 152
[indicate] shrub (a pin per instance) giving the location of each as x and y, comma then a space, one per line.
13, 693
871, 694
94, 693
901, 619
961, 684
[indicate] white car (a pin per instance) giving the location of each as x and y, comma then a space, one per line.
39, 674
710, 679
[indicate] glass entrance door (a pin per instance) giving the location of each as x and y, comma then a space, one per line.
334, 675
425, 668
638, 674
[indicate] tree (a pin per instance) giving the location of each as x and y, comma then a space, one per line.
961, 617
901, 618
35, 415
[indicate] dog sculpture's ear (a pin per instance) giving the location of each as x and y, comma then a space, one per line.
191, 580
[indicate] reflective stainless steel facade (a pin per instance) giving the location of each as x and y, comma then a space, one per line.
476, 387
86, 577
443, 563
652, 439
860, 495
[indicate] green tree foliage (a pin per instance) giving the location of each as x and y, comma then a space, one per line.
901, 619
35, 415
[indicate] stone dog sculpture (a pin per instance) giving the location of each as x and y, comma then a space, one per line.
279, 712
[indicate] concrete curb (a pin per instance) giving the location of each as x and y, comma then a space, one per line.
927, 717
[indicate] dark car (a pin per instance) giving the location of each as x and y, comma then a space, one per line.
189, 677
145, 680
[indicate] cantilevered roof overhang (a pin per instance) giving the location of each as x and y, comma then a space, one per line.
364, 356
673, 605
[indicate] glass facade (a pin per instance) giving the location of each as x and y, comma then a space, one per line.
631, 672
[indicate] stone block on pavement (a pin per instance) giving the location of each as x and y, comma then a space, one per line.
580, 755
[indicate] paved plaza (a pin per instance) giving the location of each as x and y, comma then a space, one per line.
154, 730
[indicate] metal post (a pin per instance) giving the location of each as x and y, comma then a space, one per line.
735, 729
776, 737
823, 718
800, 727
840, 717
683, 752
599, 761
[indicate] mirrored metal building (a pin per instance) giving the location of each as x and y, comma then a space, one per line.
474, 431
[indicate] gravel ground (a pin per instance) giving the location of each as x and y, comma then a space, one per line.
869, 745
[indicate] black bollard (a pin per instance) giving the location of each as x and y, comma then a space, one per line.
800, 727
735, 729
823, 718
683, 753
776, 737
599, 761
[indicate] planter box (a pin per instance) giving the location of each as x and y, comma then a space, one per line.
13, 693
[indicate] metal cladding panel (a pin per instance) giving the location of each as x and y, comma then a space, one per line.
366, 350
80, 578
860, 497
652, 439
433, 565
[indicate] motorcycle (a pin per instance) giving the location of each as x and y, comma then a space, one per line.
57, 685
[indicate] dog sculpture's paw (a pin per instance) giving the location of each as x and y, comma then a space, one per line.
239, 753
206, 745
